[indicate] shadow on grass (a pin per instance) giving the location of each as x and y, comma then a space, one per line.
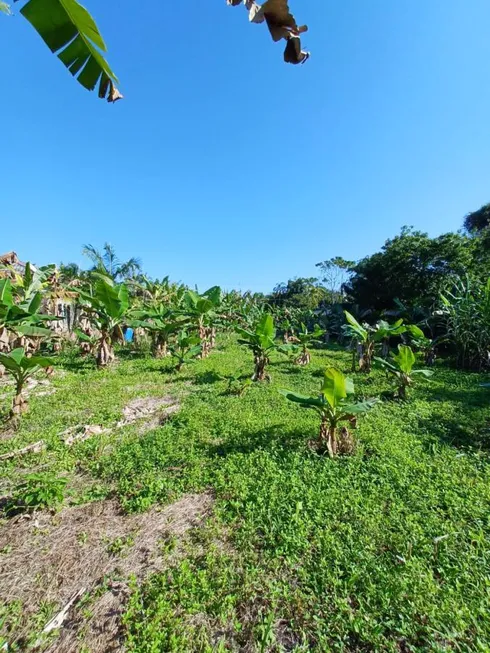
131, 354
205, 378
460, 434
77, 364
271, 439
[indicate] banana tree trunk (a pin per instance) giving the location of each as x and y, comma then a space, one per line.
105, 351
19, 403
160, 348
260, 365
385, 349
403, 389
304, 358
204, 336
328, 438
366, 359
4, 340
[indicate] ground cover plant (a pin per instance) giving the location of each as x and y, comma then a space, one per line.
384, 550
155, 498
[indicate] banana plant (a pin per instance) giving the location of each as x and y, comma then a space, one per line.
383, 331
21, 367
162, 323
185, 349
69, 30
107, 306
202, 310
422, 344
22, 318
305, 339
261, 341
401, 367
334, 406
366, 337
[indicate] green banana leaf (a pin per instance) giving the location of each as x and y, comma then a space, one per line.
405, 359
307, 402
68, 29
31, 331
360, 407
14, 357
334, 387
355, 327
426, 373
6, 297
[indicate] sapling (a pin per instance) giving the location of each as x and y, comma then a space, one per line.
334, 407
401, 367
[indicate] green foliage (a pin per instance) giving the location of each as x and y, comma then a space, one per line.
366, 338
185, 349
333, 407
261, 341
478, 221
69, 30
107, 263
401, 367
21, 318
412, 268
299, 293
21, 367
465, 312
37, 492
401, 525
107, 304
306, 339
336, 273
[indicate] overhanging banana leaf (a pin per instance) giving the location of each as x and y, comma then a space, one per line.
31, 331
307, 402
68, 29
4, 7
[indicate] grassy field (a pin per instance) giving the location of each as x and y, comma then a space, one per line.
276, 548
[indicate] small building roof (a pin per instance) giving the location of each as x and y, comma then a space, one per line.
10, 259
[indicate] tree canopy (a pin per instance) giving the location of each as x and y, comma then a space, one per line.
412, 267
478, 221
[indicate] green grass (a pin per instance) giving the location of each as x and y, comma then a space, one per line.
386, 550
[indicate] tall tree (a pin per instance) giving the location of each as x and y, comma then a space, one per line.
412, 267
478, 221
336, 273
106, 262
300, 292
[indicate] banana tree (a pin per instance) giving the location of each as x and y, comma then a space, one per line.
401, 367
424, 345
334, 407
362, 336
366, 337
21, 367
69, 30
383, 331
202, 310
261, 341
162, 323
185, 349
107, 306
305, 339
20, 319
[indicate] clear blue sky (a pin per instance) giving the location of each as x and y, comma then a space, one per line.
223, 165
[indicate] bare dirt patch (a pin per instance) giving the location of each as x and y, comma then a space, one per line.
153, 410
49, 558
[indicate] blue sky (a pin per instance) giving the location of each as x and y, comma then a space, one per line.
223, 165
